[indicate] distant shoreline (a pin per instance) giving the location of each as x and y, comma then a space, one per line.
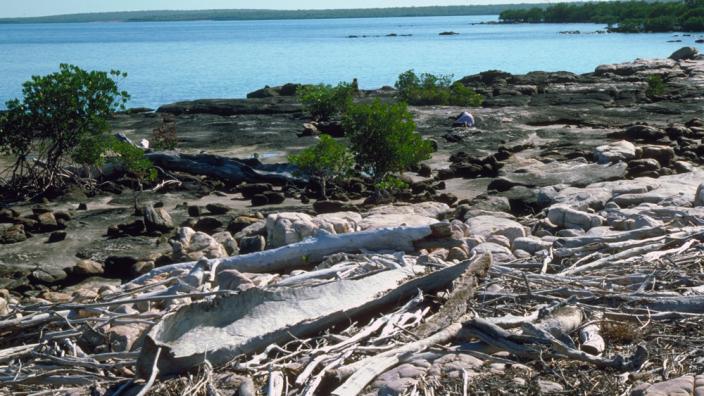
252, 15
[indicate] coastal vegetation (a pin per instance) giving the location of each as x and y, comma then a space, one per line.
429, 89
324, 101
62, 122
656, 86
62, 119
621, 16
384, 138
328, 160
248, 14
133, 162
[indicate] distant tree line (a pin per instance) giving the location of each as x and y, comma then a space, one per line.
226, 15
620, 16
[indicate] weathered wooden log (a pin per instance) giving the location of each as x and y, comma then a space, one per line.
455, 307
275, 387
231, 170
227, 327
311, 251
532, 345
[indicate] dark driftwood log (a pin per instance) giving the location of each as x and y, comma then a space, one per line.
231, 170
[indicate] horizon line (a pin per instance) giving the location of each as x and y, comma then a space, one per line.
73, 14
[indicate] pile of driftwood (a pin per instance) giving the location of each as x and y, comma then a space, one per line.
335, 313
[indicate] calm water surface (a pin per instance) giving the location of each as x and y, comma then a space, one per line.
174, 61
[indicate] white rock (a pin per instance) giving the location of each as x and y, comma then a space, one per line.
499, 253
190, 242
486, 226
435, 210
566, 217
201, 241
339, 223
287, 228
620, 151
227, 241
395, 220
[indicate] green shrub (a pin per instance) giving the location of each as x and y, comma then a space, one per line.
328, 160
656, 86
390, 183
463, 96
134, 162
384, 138
324, 101
63, 117
429, 89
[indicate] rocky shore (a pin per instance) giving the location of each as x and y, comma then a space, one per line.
579, 195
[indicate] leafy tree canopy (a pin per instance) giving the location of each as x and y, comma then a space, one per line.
324, 101
62, 118
384, 138
621, 16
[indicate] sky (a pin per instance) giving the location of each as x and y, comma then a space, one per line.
27, 8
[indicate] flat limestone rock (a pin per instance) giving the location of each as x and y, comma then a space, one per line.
574, 173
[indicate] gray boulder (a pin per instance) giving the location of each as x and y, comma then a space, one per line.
684, 53
566, 217
157, 220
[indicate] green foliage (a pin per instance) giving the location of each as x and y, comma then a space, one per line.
390, 183
693, 24
429, 89
62, 117
621, 16
91, 150
464, 96
328, 158
665, 23
132, 159
656, 86
384, 138
324, 101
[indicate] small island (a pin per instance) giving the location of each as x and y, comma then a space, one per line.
621, 17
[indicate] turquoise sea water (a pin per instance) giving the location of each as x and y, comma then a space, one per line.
173, 61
